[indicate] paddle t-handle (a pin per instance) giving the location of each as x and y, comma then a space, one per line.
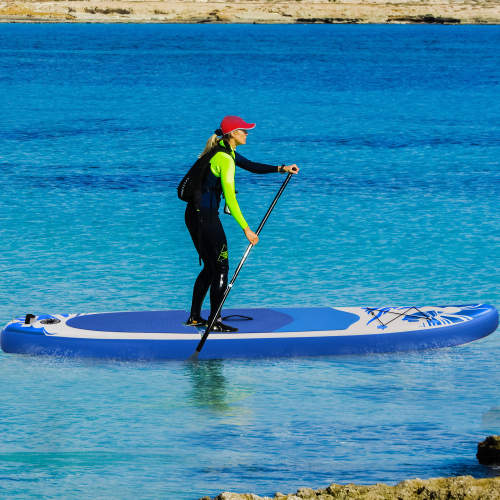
194, 356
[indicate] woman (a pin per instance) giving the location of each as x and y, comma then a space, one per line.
202, 218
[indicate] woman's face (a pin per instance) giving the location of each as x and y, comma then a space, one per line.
240, 136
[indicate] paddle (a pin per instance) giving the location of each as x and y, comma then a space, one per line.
194, 356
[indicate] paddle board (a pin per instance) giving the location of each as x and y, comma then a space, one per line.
272, 332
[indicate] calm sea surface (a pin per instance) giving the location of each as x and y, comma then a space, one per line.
397, 133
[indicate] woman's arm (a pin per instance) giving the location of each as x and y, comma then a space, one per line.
262, 168
227, 168
255, 168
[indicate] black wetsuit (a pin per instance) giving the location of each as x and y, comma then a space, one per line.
210, 240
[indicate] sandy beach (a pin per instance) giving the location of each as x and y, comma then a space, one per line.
270, 12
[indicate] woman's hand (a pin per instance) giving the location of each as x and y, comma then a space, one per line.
291, 169
251, 236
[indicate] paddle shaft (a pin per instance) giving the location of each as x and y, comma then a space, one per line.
194, 356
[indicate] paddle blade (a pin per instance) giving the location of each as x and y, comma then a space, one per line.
194, 356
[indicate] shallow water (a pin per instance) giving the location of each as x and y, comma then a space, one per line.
396, 130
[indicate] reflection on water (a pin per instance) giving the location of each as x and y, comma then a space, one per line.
212, 390
491, 420
209, 385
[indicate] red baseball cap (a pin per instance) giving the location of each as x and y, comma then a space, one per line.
231, 123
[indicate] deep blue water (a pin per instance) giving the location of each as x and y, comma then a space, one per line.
397, 133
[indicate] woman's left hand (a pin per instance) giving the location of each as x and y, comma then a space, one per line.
291, 169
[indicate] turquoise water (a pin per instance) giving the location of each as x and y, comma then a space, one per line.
397, 133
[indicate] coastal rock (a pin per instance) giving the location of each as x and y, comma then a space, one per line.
488, 451
251, 11
235, 496
27, 10
454, 488
224, 17
424, 19
305, 493
328, 20
107, 10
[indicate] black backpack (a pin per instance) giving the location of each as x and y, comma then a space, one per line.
193, 181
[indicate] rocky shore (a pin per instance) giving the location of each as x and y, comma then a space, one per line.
456, 488
452, 488
249, 11
488, 451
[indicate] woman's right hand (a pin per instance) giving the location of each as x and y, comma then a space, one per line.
251, 236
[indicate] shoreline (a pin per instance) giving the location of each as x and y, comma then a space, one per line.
249, 12
460, 487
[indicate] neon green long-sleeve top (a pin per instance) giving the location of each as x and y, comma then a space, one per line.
222, 165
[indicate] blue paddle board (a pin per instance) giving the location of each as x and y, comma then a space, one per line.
272, 332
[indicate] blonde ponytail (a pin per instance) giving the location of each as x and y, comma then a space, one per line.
211, 143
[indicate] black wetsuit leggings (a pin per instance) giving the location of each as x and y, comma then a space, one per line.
212, 248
